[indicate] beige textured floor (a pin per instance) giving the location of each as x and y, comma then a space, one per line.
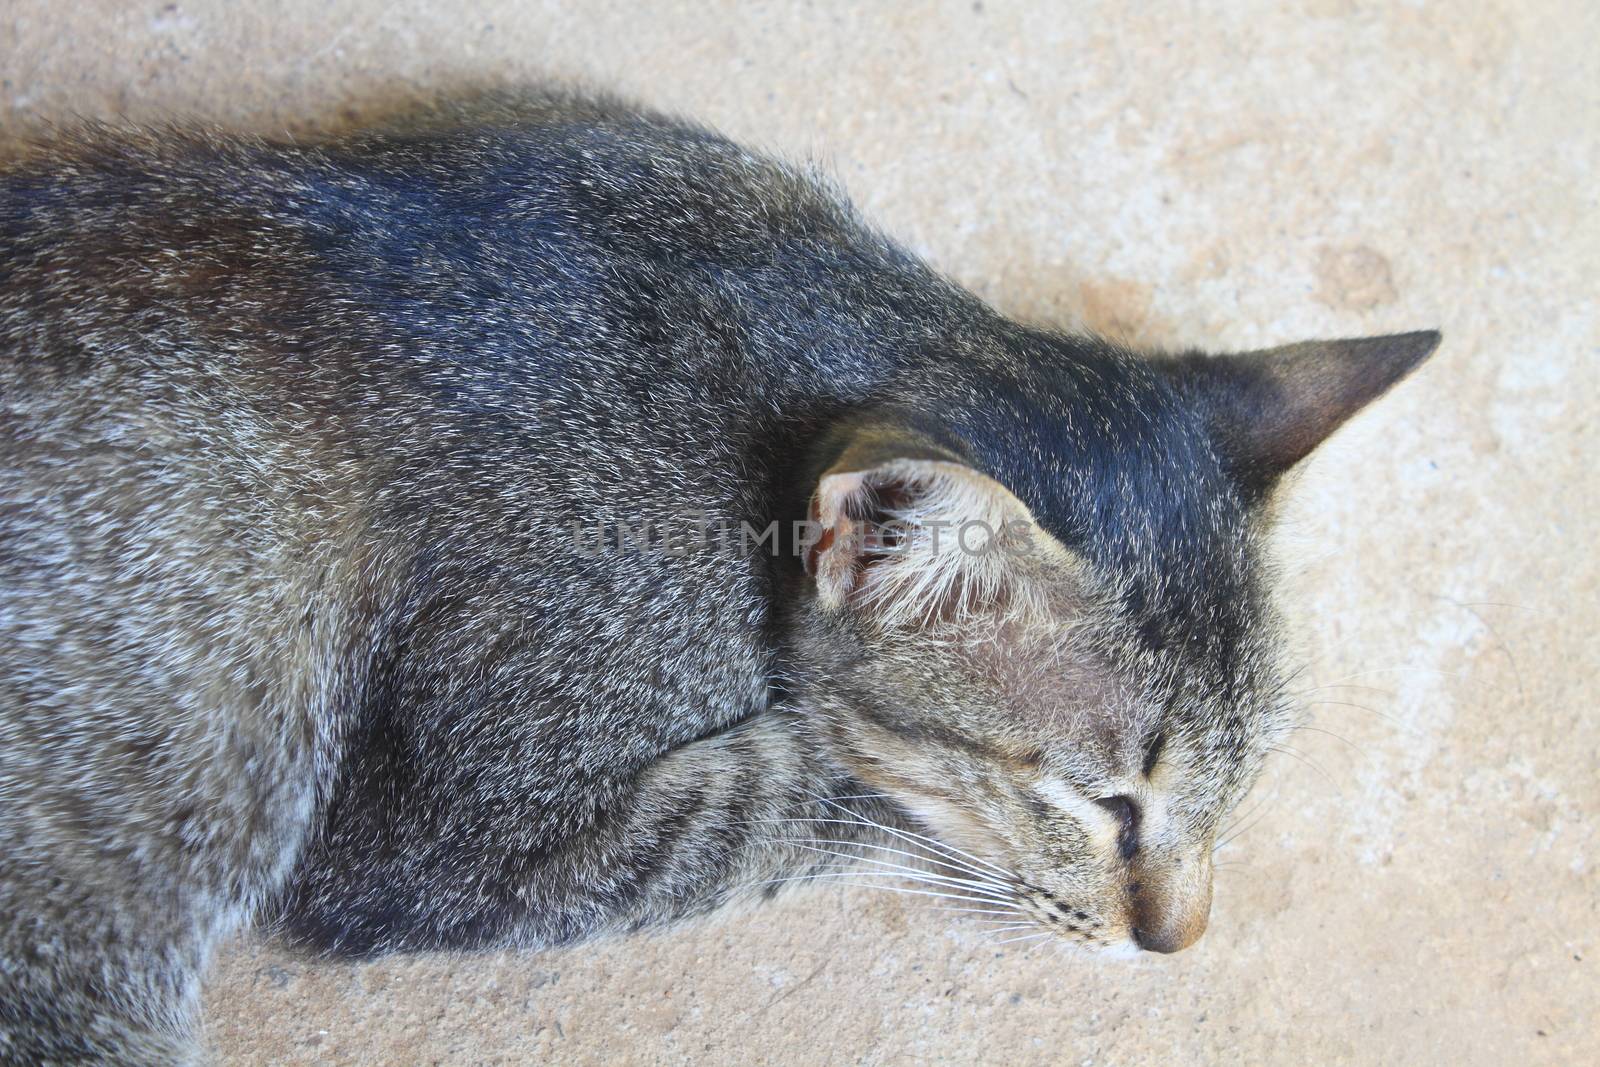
1424, 885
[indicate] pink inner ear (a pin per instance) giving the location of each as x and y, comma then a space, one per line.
823, 542
870, 551
834, 558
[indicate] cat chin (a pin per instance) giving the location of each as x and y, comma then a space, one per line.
1117, 951
1120, 950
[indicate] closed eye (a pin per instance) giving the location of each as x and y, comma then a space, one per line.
1126, 812
1152, 753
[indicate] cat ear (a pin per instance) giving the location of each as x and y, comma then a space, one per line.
1269, 409
911, 540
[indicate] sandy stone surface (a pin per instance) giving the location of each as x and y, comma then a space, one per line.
1420, 880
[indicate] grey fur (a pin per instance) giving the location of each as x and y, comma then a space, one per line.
293, 631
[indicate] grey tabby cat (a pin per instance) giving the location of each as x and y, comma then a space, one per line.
324, 606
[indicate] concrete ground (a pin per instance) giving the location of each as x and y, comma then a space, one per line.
1420, 882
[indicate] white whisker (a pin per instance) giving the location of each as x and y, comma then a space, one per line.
858, 876
1013, 909
904, 835
926, 842
1025, 937
901, 852
914, 873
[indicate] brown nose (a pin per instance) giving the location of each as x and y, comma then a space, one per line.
1169, 921
1168, 938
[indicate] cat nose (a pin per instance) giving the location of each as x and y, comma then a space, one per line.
1126, 812
1171, 914
1169, 938
1166, 934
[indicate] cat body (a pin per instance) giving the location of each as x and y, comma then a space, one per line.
318, 466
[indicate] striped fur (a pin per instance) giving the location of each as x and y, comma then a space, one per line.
294, 633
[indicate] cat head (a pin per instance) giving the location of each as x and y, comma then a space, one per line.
1036, 613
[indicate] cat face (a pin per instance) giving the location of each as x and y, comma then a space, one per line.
1070, 719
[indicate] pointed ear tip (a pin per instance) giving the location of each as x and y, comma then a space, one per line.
1417, 345
1395, 355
